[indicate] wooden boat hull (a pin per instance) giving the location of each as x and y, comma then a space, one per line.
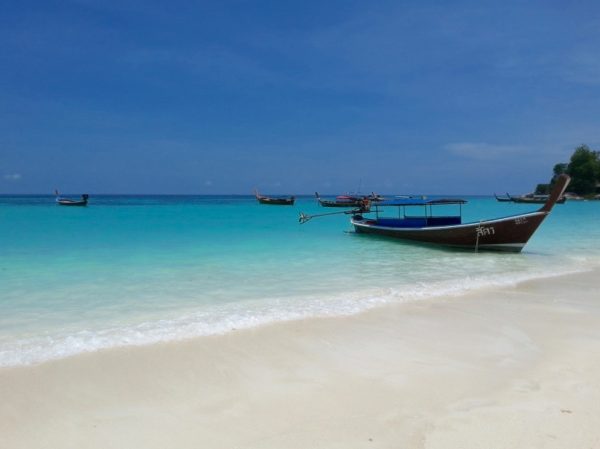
341, 201
327, 203
506, 199
509, 234
74, 203
69, 202
277, 201
517, 199
274, 201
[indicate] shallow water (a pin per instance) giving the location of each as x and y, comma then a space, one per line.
143, 269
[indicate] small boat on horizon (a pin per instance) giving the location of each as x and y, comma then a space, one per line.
348, 200
275, 201
509, 234
375, 197
571, 196
532, 198
70, 202
501, 199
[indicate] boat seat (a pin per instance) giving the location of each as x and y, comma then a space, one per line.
418, 222
407, 222
443, 221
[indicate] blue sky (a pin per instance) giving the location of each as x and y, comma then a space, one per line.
465, 97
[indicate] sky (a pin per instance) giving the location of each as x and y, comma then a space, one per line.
198, 97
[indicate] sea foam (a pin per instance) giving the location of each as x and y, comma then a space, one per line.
220, 319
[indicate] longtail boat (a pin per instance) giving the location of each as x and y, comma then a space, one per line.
276, 201
501, 199
531, 198
70, 202
348, 200
500, 234
340, 201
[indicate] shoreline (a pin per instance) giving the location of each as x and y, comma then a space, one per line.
38, 350
496, 367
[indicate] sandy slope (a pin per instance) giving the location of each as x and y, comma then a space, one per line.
506, 368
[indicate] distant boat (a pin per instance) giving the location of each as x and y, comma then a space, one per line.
531, 198
500, 234
573, 197
340, 201
375, 197
506, 199
275, 201
423, 197
70, 202
348, 200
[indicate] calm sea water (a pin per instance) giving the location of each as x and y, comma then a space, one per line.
133, 270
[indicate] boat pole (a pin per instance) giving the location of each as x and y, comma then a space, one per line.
304, 218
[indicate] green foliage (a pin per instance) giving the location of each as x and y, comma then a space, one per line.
559, 169
542, 189
584, 169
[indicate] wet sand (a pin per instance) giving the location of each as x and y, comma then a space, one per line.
514, 367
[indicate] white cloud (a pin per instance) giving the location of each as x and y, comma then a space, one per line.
12, 176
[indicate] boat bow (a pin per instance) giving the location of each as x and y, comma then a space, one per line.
557, 192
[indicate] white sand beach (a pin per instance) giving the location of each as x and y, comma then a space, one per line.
514, 367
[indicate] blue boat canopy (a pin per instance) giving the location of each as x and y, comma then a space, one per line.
420, 202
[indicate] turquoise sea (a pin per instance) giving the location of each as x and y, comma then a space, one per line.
135, 270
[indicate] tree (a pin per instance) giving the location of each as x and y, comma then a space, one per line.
584, 169
559, 169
